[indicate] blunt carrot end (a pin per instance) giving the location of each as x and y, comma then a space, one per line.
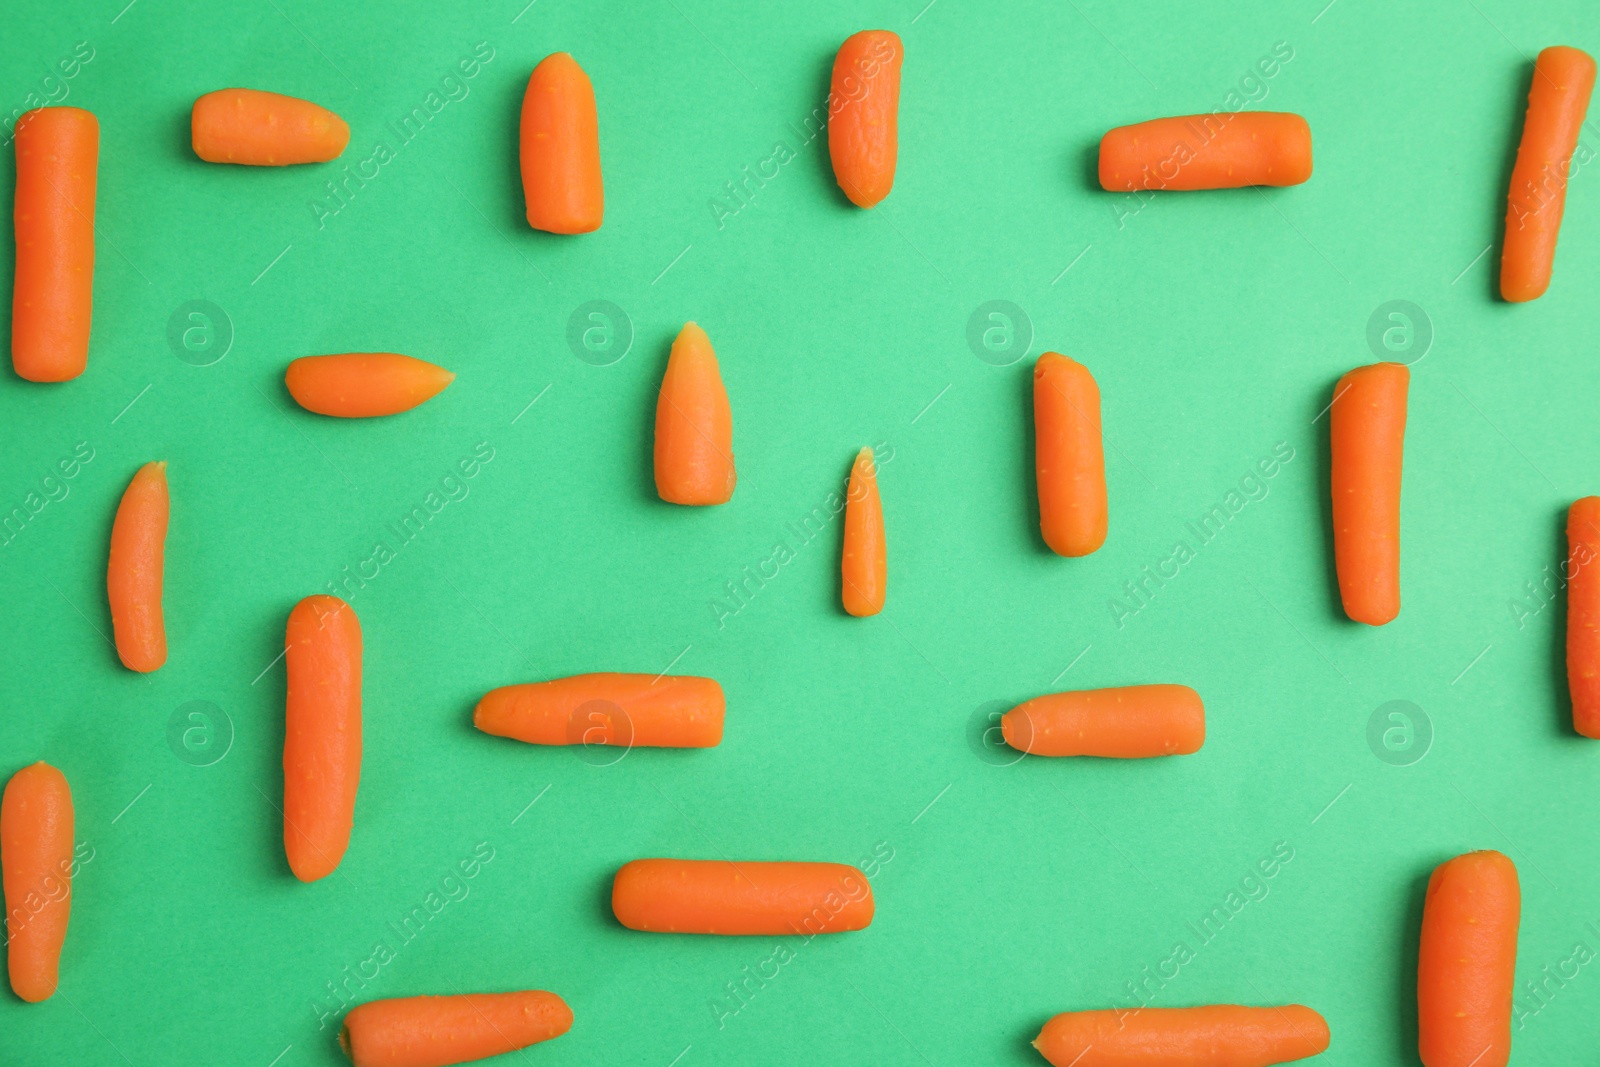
363, 385
36, 866
864, 115
1069, 456
1583, 614
438, 1031
694, 425
560, 149
1214, 1035
322, 734
864, 566
1467, 961
1367, 428
740, 898
1217, 151
1133, 722
261, 129
134, 572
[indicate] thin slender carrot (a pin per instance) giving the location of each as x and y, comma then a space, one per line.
1127, 723
724, 897
438, 1031
864, 563
1222, 150
561, 149
134, 573
36, 855
1583, 614
694, 425
864, 115
643, 710
322, 734
1558, 100
58, 156
361, 385
1466, 966
1069, 458
1216, 1035
1367, 427
262, 129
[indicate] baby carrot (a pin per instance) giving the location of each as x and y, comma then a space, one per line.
1583, 614
438, 1031
1367, 427
864, 563
607, 709
1466, 966
1563, 78
262, 129
322, 734
1216, 1035
1222, 150
561, 148
723, 897
36, 857
58, 155
694, 426
361, 385
133, 576
1068, 456
1127, 723
864, 115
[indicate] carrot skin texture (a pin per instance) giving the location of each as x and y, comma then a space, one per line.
1466, 965
322, 734
438, 1031
1367, 428
864, 564
694, 426
1132, 722
363, 385
1583, 614
58, 156
1558, 100
36, 854
724, 897
1069, 457
634, 710
261, 129
1216, 1035
560, 149
135, 570
1193, 152
864, 120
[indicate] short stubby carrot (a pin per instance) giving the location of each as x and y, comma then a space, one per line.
1583, 614
694, 425
322, 734
1367, 428
628, 710
725, 897
1558, 100
864, 115
1128, 723
1069, 457
363, 385
1222, 150
864, 563
137, 564
560, 149
261, 129
58, 159
1467, 962
36, 860
438, 1031
1215, 1035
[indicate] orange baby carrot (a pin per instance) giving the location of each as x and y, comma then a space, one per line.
607, 709
1222, 150
1128, 723
1216, 1035
723, 897
1367, 426
1583, 614
561, 149
322, 734
1563, 78
58, 155
262, 129
864, 115
864, 563
438, 1031
1466, 966
694, 426
1068, 456
134, 573
36, 855
361, 385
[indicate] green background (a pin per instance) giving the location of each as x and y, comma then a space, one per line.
1215, 323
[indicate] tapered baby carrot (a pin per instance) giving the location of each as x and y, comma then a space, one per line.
864, 563
724, 897
1127, 723
1466, 966
1558, 100
438, 1031
58, 156
322, 734
561, 149
694, 425
1583, 614
361, 385
1367, 427
630, 710
36, 857
262, 129
1222, 150
864, 115
1068, 456
134, 573
1216, 1035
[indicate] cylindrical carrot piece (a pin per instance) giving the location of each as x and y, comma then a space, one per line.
262, 129
1221, 150
628, 710
1466, 966
1583, 614
134, 573
1216, 1035
322, 734
58, 157
1127, 723
560, 149
1069, 457
1367, 427
36, 857
361, 385
438, 1031
864, 564
694, 425
724, 897
864, 115
1558, 100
